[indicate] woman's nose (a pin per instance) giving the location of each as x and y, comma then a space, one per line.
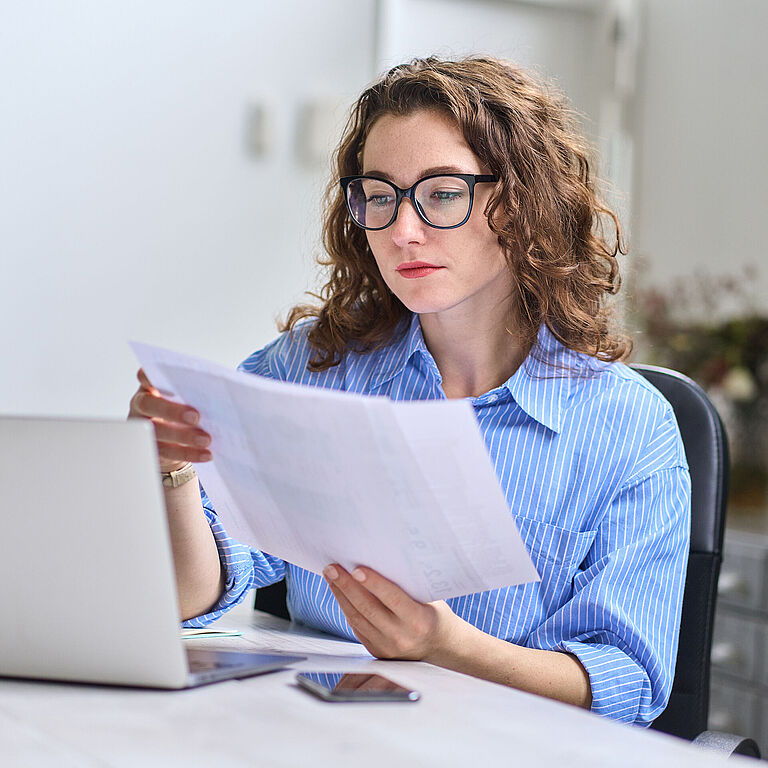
407, 226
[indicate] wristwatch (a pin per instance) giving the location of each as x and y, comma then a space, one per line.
178, 476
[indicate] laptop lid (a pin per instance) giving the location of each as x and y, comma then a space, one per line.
88, 591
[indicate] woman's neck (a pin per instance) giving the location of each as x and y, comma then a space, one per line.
474, 355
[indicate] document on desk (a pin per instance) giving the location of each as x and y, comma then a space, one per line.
316, 476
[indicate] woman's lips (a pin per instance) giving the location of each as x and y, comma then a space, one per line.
414, 269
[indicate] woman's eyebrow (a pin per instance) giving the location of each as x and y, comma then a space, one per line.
425, 172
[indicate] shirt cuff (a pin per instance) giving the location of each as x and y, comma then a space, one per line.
620, 687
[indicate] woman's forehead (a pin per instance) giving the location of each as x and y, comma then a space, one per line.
404, 145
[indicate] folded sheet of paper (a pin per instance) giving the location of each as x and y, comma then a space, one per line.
316, 476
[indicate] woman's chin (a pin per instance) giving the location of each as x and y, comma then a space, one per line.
424, 307
424, 302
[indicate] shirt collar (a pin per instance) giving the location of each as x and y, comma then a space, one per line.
396, 356
540, 386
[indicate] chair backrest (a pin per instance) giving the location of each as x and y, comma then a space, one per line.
272, 599
706, 449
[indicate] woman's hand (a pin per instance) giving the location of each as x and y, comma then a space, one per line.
179, 439
386, 620
391, 625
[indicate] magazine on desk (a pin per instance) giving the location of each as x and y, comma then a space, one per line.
316, 476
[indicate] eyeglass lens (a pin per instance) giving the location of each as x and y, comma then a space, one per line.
442, 200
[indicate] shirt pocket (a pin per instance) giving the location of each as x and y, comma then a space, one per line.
557, 554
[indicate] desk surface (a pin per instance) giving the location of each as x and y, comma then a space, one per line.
268, 721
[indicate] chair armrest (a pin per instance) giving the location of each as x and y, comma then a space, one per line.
728, 743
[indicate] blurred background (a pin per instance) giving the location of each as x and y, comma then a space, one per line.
161, 167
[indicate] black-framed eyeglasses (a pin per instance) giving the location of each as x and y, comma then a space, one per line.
443, 201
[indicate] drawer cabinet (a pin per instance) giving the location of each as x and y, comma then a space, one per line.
734, 708
737, 646
743, 583
739, 684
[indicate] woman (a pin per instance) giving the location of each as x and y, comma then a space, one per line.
468, 260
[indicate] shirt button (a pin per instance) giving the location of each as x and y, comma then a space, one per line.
493, 398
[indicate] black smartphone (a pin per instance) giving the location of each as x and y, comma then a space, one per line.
354, 686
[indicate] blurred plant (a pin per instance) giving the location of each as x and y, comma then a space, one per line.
711, 329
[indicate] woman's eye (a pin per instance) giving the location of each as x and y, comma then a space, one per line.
447, 195
379, 200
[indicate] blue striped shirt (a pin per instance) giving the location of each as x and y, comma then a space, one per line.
591, 461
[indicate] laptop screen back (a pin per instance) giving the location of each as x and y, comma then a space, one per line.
88, 590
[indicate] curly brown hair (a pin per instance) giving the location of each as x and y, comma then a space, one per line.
544, 209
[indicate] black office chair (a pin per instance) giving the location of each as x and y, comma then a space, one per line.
272, 599
706, 448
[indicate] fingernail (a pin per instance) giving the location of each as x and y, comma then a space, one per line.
191, 417
330, 573
203, 441
205, 455
358, 575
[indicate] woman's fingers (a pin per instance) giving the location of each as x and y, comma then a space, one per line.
393, 597
376, 626
147, 403
366, 632
365, 603
179, 439
395, 626
143, 379
179, 443
182, 453
169, 432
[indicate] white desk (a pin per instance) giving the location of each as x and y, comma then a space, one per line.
267, 721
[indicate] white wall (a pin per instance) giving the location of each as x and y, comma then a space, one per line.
562, 40
701, 198
129, 207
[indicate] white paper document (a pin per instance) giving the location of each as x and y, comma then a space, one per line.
316, 476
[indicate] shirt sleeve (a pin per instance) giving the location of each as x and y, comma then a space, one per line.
244, 568
623, 620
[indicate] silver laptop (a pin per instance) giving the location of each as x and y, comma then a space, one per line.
87, 590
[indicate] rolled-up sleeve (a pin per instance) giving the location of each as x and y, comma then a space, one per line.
244, 568
623, 619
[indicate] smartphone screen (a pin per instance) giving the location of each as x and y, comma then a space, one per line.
353, 686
